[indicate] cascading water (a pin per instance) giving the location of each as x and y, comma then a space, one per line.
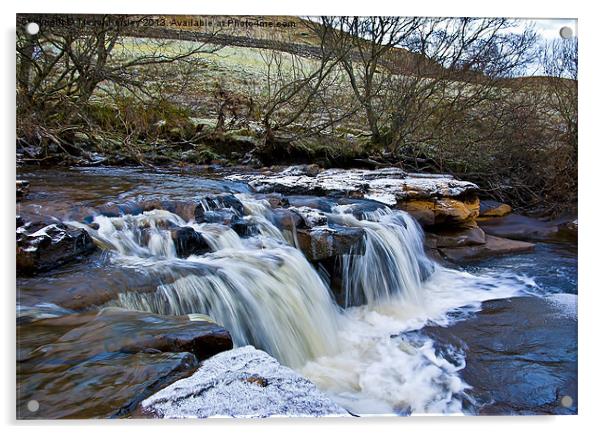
393, 263
265, 292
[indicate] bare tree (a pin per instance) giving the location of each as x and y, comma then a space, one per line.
560, 60
407, 71
61, 68
364, 44
301, 94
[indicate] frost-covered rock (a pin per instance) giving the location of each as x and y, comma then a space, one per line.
311, 217
244, 382
432, 199
388, 185
45, 248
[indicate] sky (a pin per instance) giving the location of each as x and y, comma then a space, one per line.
549, 29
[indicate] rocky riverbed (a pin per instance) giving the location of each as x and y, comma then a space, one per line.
120, 268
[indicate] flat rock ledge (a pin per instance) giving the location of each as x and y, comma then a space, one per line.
244, 382
493, 246
433, 198
109, 360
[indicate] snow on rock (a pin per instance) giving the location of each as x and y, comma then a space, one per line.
311, 217
388, 185
42, 247
244, 382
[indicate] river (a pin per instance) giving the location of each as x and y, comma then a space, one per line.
401, 340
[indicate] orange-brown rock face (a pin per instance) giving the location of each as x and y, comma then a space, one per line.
448, 211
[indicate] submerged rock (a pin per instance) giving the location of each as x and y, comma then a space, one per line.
45, 248
109, 361
244, 382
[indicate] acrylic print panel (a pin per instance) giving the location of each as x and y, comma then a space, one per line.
250, 216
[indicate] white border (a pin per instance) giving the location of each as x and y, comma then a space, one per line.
589, 222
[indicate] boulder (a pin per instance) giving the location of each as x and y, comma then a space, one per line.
322, 242
244, 382
109, 360
310, 217
444, 211
491, 208
493, 246
48, 247
189, 242
387, 185
455, 238
519, 227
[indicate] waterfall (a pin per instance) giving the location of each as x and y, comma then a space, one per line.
266, 293
271, 298
393, 261
261, 288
